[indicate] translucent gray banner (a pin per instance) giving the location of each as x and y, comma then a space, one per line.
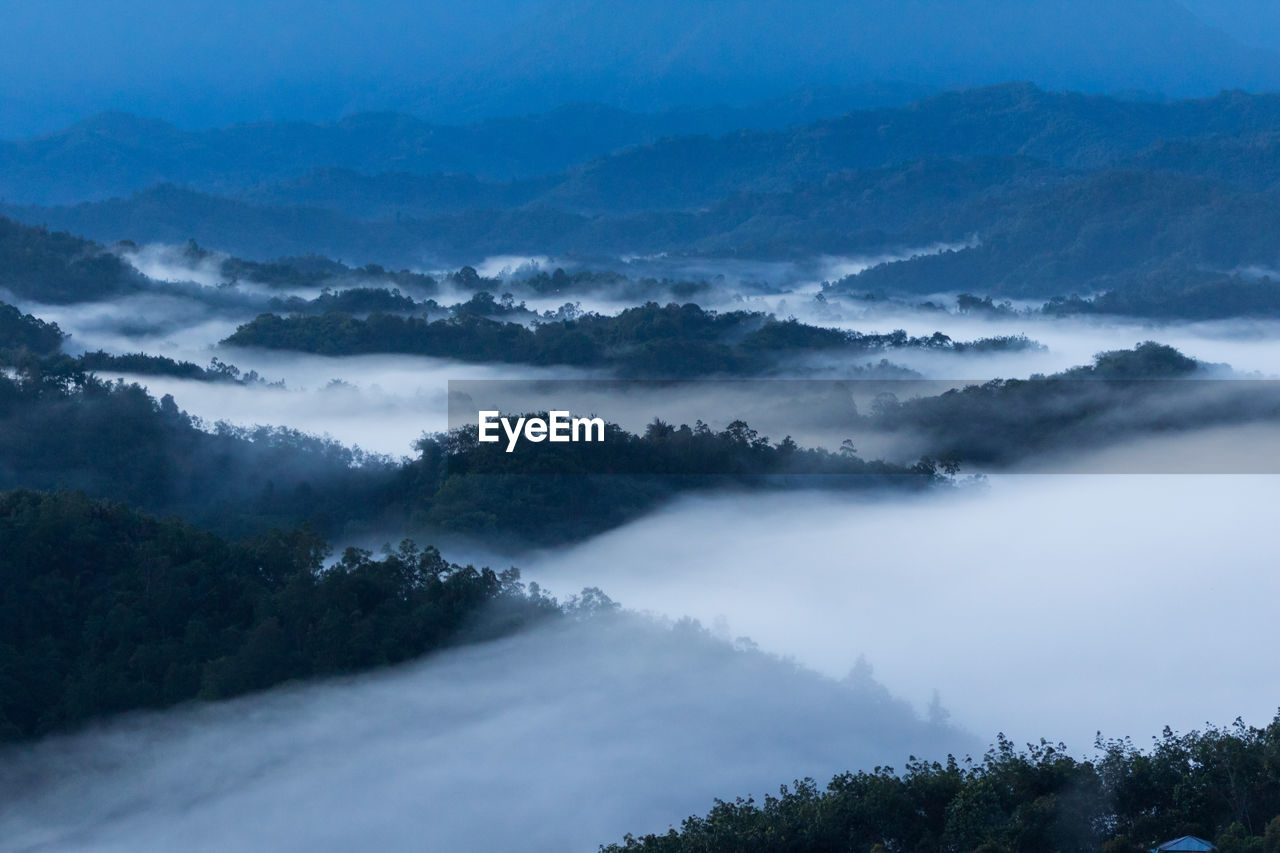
1053, 425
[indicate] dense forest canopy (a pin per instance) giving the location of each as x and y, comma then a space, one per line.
650, 341
25, 333
1142, 266
1148, 391
56, 267
1220, 783
61, 426
104, 609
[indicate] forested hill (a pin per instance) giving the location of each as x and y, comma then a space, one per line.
54, 266
62, 427
1220, 783
1170, 208
107, 610
113, 153
1062, 129
649, 341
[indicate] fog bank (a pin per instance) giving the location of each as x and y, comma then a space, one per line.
558, 739
1043, 606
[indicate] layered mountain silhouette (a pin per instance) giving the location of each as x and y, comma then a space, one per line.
459, 64
1038, 194
592, 158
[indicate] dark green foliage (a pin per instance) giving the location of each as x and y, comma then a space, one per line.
53, 266
141, 363
553, 493
358, 300
308, 270
59, 427
1182, 293
968, 303
469, 337
793, 335
62, 428
482, 304
1221, 784
103, 609
1124, 394
558, 281
162, 365
1148, 360
365, 283
649, 340
34, 345
26, 333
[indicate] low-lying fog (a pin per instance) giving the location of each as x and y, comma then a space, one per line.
1041, 606
1247, 345
384, 403
560, 739
381, 403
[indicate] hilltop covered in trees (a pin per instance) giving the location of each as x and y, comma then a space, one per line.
1221, 783
36, 346
1150, 390
1157, 282
54, 266
21, 334
106, 610
58, 268
650, 340
62, 427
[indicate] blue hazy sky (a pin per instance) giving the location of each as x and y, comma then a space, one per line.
1253, 22
208, 63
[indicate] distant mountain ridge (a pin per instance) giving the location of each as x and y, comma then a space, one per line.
114, 154
592, 159
457, 65
1052, 193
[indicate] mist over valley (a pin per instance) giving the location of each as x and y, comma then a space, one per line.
929, 357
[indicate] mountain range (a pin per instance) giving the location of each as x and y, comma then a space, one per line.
274, 60
1039, 194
